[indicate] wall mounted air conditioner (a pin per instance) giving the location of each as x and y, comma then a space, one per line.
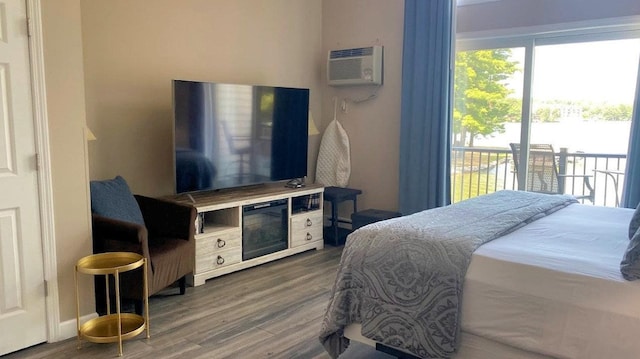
361, 66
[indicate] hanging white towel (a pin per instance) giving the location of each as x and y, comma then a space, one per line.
334, 159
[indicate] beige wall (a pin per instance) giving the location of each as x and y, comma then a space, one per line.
66, 115
119, 56
373, 126
133, 49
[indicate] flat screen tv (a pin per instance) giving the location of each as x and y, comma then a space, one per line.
228, 135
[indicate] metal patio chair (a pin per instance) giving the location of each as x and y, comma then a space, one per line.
543, 176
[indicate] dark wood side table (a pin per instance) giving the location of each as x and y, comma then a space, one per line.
368, 216
335, 195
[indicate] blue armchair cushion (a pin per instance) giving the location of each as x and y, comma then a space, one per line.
635, 222
113, 199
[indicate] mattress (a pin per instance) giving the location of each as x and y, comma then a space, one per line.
554, 287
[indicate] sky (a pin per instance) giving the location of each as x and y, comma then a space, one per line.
602, 71
597, 72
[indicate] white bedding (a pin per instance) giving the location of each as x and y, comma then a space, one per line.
551, 289
554, 287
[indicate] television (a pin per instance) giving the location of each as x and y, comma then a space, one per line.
231, 135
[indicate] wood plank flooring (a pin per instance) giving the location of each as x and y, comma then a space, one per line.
271, 311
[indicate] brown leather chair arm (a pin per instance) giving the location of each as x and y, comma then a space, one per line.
167, 219
112, 235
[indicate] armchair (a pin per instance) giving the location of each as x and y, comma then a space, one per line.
161, 231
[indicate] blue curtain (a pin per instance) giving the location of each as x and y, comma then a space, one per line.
425, 129
631, 189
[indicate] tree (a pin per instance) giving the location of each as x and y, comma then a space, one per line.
547, 114
481, 102
609, 112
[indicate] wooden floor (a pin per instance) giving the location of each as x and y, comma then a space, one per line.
271, 311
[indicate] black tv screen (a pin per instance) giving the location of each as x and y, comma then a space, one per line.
228, 135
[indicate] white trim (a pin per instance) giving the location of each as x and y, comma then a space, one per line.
69, 328
472, 2
613, 28
45, 184
525, 119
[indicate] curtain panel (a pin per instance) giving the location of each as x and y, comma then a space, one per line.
631, 188
425, 129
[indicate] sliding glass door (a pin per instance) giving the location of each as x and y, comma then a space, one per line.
486, 118
582, 105
550, 115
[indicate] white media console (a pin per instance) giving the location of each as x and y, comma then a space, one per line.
245, 227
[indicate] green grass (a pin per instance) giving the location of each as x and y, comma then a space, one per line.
471, 184
475, 183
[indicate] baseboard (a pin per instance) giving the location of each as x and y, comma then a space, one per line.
69, 328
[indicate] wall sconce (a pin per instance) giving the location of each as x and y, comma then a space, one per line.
88, 135
313, 130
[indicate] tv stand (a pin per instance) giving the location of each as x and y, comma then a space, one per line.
219, 226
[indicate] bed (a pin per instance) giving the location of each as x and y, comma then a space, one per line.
546, 284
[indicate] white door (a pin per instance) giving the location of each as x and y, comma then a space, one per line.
22, 293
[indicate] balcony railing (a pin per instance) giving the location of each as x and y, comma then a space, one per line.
476, 171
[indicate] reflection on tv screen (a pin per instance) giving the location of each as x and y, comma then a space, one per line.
229, 135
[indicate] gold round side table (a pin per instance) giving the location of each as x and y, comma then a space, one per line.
112, 327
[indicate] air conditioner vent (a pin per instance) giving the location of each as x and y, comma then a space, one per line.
362, 51
359, 66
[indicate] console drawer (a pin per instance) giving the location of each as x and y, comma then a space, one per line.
306, 228
220, 241
227, 244
219, 259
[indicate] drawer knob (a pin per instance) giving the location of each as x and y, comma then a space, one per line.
221, 243
309, 236
220, 260
309, 223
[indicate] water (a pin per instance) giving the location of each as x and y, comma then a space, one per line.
605, 137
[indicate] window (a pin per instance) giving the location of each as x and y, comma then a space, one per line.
487, 103
573, 91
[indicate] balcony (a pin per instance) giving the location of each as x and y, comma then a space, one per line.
480, 170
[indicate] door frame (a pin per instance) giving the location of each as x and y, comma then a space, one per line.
45, 187
553, 34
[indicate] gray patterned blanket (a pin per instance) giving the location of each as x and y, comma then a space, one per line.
402, 278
